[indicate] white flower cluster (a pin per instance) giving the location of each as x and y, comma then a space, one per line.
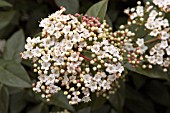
163, 4
157, 25
73, 57
160, 53
2, 46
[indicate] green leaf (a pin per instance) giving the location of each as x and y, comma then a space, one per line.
138, 80
60, 100
98, 10
158, 93
4, 99
72, 6
117, 99
108, 20
4, 4
84, 110
136, 102
17, 102
97, 102
14, 46
5, 18
13, 74
40, 108
155, 72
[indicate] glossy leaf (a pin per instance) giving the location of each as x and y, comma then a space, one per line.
98, 10
4, 4
4, 99
156, 72
158, 93
97, 102
117, 99
136, 103
5, 18
14, 46
13, 74
84, 110
40, 108
72, 6
60, 100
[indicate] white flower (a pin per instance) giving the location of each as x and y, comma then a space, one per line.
43, 78
164, 44
27, 54
106, 85
140, 42
75, 100
93, 86
140, 10
76, 37
168, 50
153, 13
111, 68
154, 32
59, 26
129, 46
86, 99
95, 48
28, 46
159, 60
165, 35
68, 45
152, 59
74, 57
45, 65
142, 49
87, 78
36, 52
50, 79
112, 77
46, 58
65, 80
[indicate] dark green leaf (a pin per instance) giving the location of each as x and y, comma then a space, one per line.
13, 74
6, 17
97, 102
155, 72
60, 100
84, 110
4, 99
109, 21
158, 93
40, 108
4, 4
136, 103
98, 10
138, 80
72, 6
17, 102
117, 99
14, 46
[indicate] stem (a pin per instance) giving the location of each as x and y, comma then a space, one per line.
88, 59
155, 39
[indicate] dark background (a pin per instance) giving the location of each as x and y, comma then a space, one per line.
138, 94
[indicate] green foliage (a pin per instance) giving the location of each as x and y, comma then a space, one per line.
4, 99
13, 74
145, 91
72, 6
98, 10
14, 46
5, 4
